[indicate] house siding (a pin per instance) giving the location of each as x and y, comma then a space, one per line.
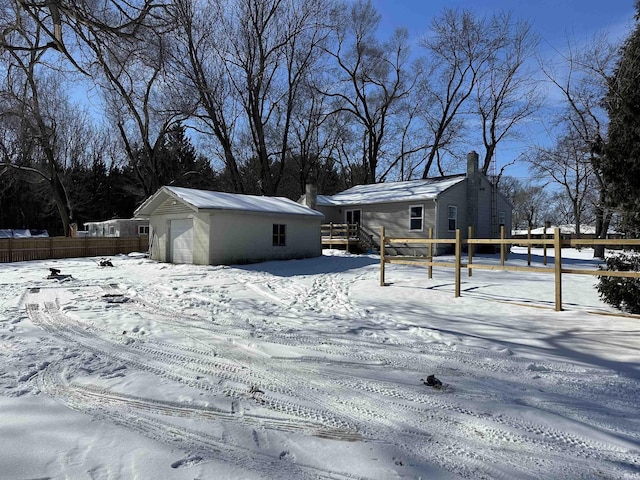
171, 206
455, 196
247, 238
471, 195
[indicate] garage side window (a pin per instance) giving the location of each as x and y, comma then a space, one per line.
279, 235
415, 217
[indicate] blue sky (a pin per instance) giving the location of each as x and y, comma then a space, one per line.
552, 19
555, 21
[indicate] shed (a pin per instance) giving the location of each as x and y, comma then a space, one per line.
206, 227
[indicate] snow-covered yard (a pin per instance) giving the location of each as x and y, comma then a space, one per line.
308, 369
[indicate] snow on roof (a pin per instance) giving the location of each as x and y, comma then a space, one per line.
392, 192
116, 220
15, 233
206, 199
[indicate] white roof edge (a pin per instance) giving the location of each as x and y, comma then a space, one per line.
213, 200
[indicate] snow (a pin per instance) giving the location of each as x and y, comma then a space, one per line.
309, 369
568, 229
411, 190
206, 199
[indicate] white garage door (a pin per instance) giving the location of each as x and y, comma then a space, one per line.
182, 241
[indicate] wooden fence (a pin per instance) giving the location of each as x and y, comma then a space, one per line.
556, 242
24, 249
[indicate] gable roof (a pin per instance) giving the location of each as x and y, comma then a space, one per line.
210, 200
408, 191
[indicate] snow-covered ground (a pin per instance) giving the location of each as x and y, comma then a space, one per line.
309, 369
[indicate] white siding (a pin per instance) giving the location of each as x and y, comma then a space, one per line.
243, 237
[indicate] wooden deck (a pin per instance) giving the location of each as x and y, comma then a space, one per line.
340, 234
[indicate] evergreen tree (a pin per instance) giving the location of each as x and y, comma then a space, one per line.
621, 165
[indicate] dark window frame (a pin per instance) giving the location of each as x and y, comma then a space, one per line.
279, 235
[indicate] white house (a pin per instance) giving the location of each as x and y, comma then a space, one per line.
116, 227
408, 209
205, 227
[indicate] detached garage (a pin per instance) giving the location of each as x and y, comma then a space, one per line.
205, 227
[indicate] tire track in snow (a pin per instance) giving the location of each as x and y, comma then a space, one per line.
328, 424
146, 418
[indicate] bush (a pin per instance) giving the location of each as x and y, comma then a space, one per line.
622, 293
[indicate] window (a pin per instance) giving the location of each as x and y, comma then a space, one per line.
502, 218
415, 217
143, 229
112, 230
353, 216
453, 217
279, 239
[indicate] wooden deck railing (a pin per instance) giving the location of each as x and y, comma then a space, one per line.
24, 249
346, 234
556, 242
340, 230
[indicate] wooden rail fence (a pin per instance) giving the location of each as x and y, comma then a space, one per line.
556, 242
24, 249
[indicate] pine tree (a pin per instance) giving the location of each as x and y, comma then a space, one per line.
621, 165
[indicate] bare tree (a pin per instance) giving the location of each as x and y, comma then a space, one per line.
274, 45
31, 101
582, 77
569, 165
198, 71
130, 72
63, 25
508, 91
367, 79
246, 75
530, 202
117, 44
458, 47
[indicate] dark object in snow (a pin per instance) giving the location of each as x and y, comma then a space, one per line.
105, 262
55, 275
432, 381
115, 298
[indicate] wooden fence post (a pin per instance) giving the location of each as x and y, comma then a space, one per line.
502, 245
382, 256
557, 264
458, 261
529, 246
544, 247
430, 254
470, 250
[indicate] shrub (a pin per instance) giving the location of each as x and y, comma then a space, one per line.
622, 293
